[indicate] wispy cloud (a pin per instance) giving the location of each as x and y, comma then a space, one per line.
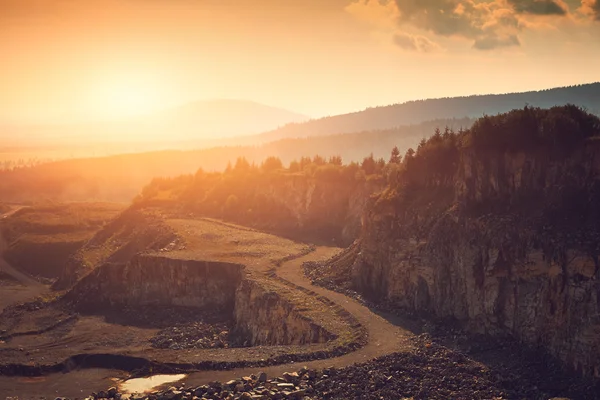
414, 42
488, 24
539, 7
591, 8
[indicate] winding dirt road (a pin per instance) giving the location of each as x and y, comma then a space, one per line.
386, 334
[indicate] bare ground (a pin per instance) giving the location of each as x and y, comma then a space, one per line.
385, 336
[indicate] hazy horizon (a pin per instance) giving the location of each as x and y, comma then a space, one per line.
67, 61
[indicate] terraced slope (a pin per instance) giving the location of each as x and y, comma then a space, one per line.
274, 268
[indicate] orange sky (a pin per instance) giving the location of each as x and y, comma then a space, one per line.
72, 60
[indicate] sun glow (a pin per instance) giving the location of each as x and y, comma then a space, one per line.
124, 97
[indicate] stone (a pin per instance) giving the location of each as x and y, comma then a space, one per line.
262, 377
282, 386
296, 394
291, 377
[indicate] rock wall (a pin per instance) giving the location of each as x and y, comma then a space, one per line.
264, 318
327, 210
302, 207
261, 317
153, 280
513, 251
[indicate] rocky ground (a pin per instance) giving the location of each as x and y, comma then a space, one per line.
163, 317
7, 280
194, 335
431, 371
524, 372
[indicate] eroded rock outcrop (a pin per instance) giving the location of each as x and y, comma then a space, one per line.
261, 316
264, 318
153, 280
328, 210
509, 245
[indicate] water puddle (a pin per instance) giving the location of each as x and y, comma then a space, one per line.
144, 385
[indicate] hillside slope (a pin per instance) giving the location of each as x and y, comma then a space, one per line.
414, 112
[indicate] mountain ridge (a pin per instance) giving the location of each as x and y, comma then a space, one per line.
417, 111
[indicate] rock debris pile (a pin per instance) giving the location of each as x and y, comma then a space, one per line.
194, 335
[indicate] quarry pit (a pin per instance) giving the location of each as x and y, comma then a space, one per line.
208, 300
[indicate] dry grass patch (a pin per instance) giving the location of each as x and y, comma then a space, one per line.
206, 239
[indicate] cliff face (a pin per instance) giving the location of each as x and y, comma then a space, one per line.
161, 281
261, 317
511, 247
327, 210
265, 318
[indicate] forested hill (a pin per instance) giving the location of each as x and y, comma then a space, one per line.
413, 112
121, 177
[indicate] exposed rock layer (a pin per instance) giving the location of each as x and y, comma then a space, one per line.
319, 209
161, 281
261, 317
265, 318
509, 247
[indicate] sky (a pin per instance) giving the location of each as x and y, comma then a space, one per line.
80, 60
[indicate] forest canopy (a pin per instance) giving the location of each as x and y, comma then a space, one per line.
236, 194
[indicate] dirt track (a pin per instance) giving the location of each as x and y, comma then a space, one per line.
385, 335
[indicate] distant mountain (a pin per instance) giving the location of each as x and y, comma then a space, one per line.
221, 118
194, 123
414, 112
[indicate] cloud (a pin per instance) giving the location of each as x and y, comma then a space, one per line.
487, 24
414, 42
374, 12
591, 8
493, 42
539, 7
384, 16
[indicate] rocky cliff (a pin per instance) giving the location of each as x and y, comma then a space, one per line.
261, 316
322, 209
264, 318
321, 204
153, 280
508, 245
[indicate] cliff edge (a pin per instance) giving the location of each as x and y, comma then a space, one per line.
497, 227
